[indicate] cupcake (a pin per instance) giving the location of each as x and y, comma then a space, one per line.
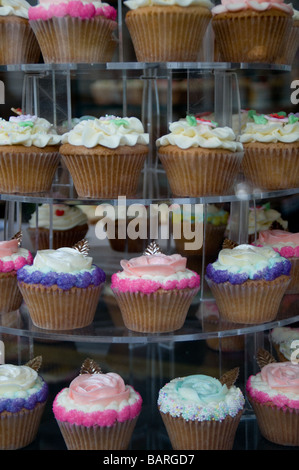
167, 31
201, 412
274, 396
251, 31
61, 288
23, 395
74, 31
200, 158
154, 291
285, 341
248, 283
105, 156
97, 411
18, 42
12, 258
69, 226
287, 245
271, 151
29, 155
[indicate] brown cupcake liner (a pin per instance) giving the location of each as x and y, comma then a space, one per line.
293, 287
10, 295
27, 172
271, 167
155, 31
213, 241
19, 429
53, 308
280, 426
252, 302
116, 437
108, 173
159, 312
19, 43
40, 238
251, 37
201, 435
199, 172
68, 39
288, 51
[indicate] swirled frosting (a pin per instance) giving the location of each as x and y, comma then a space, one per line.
213, 215
97, 400
287, 340
85, 9
134, 4
261, 218
149, 273
108, 131
192, 132
14, 8
277, 383
13, 257
20, 387
275, 127
245, 262
285, 243
254, 5
64, 217
64, 267
200, 398
27, 130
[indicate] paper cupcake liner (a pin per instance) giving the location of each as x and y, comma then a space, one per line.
200, 172
201, 435
108, 173
280, 426
293, 287
251, 37
116, 437
271, 167
288, 51
19, 429
27, 172
159, 312
167, 34
40, 238
56, 309
10, 295
252, 302
69, 39
19, 43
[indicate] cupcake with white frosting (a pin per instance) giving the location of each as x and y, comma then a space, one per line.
66, 224
61, 288
29, 154
167, 31
19, 45
23, 395
201, 412
105, 156
154, 291
248, 283
97, 411
271, 151
285, 340
200, 158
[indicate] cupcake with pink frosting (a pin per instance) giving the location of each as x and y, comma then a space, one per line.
287, 245
12, 258
74, 30
154, 291
97, 411
251, 31
274, 396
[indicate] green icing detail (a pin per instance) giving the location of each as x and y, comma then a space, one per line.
282, 113
191, 120
251, 113
292, 119
26, 124
214, 123
121, 122
260, 119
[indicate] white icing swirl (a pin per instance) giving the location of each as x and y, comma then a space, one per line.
273, 131
28, 131
134, 4
260, 385
255, 5
185, 136
16, 379
108, 131
14, 8
64, 217
62, 260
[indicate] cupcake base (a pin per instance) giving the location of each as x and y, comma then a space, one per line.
10, 298
252, 302
19, 43
116, 437
57, 309
293, 287
40, 238
201, 435
199, 172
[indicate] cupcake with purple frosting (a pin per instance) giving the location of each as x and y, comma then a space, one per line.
62, 288
23, 395
248, 283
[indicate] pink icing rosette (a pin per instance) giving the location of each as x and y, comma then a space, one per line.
282, 376
256, 5
99, 389
154, 265
75, 8
9, 248
274, 237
